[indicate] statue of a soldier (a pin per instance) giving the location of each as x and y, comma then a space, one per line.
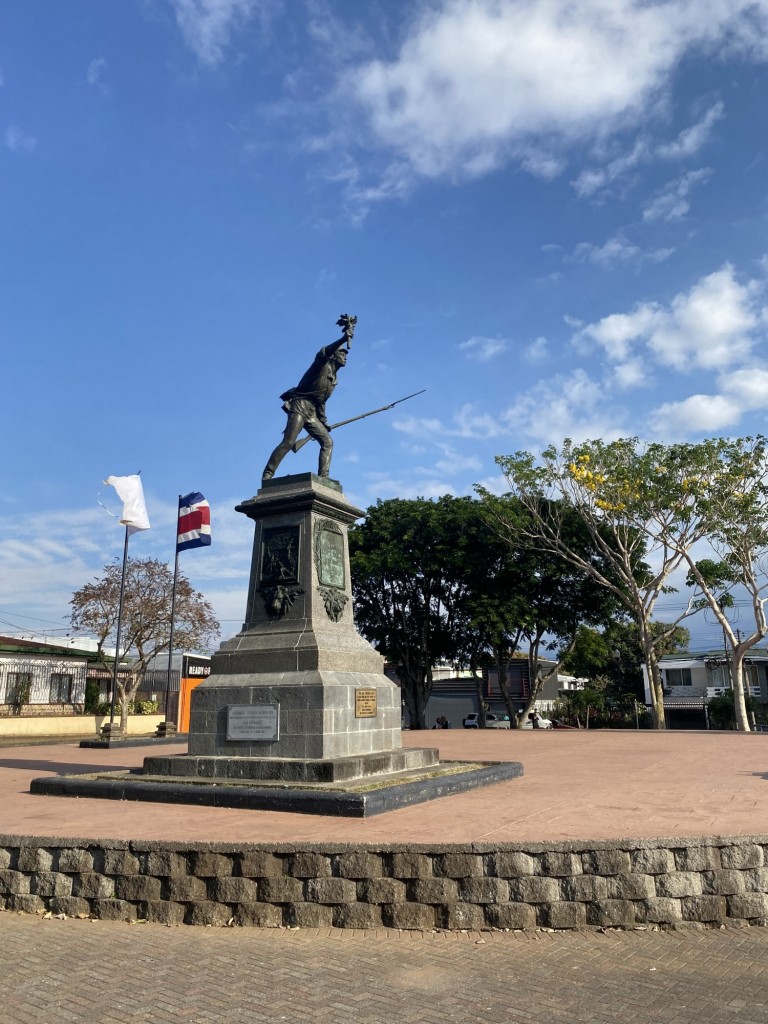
305, 404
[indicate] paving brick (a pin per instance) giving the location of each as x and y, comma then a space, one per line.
64, 972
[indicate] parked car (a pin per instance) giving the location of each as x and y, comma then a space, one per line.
491, 721
544, 723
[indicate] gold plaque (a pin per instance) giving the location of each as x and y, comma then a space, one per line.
365, 704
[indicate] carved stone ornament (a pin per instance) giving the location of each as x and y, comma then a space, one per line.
334, 601
278, 599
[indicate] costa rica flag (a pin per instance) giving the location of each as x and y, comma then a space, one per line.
194, 529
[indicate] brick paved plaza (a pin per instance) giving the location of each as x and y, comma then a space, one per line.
577, 786
86, 972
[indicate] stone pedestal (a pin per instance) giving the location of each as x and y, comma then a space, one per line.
297, 714
315, 688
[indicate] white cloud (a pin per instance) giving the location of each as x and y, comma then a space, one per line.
697, 414
711, 326
95, 71
208, 25
466, 422
688, 142
477, 82
483, 349
577, 407
19, 141
672, 202
633, 373
616, 251
691, 139
537, 350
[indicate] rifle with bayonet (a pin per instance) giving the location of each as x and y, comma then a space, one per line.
342, 423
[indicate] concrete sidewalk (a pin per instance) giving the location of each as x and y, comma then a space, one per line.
577, 785
98, 972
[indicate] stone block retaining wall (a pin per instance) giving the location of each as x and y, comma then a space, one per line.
617, 883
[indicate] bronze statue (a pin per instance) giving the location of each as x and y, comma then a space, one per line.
305, 404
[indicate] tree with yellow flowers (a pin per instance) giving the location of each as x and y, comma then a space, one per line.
652, 510
632, 500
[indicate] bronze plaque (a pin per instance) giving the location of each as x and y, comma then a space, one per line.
329, 555
279, 555
365, 704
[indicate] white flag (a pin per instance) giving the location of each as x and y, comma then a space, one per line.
132, 494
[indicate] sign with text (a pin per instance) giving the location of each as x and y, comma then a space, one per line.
253, 722
365, 704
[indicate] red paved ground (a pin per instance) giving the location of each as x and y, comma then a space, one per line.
577, 785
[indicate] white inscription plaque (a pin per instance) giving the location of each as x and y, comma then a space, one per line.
253, 722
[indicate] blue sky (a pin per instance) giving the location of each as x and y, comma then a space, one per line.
552, 215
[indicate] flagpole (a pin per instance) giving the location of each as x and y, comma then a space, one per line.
173, 614
119, 627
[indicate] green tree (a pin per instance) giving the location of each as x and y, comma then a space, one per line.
615, 654
402, 559
146, 622
433, 582
631, 499
728, 482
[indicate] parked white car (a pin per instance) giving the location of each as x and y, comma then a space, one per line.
491, 721
544, 723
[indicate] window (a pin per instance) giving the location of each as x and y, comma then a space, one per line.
61, 689
678, 676
18, 689
720, 676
